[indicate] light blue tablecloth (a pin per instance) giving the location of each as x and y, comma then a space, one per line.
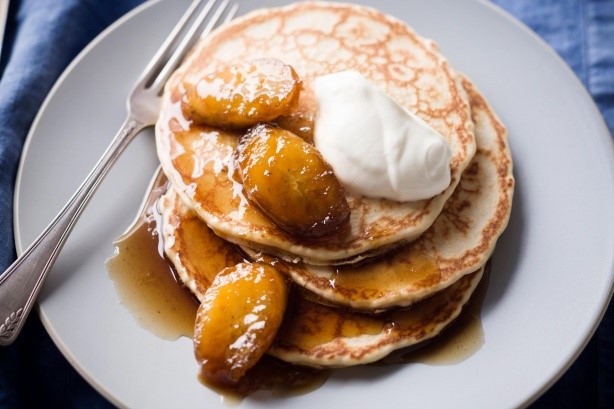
44, 35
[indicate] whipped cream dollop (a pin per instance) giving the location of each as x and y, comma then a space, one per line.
376, 147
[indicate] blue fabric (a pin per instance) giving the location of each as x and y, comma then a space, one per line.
44, 36
582, 32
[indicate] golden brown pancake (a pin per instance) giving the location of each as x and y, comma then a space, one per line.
316, 38
312, 333
320, 335
459, 242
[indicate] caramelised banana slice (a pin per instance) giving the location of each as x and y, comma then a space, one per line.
238, 320
243, 94
290, 181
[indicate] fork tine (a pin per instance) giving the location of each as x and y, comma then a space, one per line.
152, 68
188, 40
231, 13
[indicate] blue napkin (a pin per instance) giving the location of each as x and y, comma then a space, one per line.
44, 36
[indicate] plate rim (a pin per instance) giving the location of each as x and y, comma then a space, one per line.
605, 134
19, 247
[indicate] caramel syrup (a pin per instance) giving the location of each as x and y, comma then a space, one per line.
271, 374
459, 341
147, 287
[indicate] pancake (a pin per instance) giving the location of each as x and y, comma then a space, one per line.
312, 333
316, 38
459, 242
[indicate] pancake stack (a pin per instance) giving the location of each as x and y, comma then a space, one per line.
399, 272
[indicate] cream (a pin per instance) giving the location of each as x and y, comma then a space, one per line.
376, 147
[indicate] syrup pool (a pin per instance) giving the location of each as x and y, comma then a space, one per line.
147, 286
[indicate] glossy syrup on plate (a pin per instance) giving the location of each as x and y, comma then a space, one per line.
459, 341
148, 288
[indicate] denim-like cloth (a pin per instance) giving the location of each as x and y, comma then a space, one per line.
43, 36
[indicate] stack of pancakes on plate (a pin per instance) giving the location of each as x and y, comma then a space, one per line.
401, 271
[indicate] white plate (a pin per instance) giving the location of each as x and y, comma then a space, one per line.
552, 271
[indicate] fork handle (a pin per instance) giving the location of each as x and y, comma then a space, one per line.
22, 281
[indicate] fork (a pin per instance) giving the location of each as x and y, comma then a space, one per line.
22, 281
